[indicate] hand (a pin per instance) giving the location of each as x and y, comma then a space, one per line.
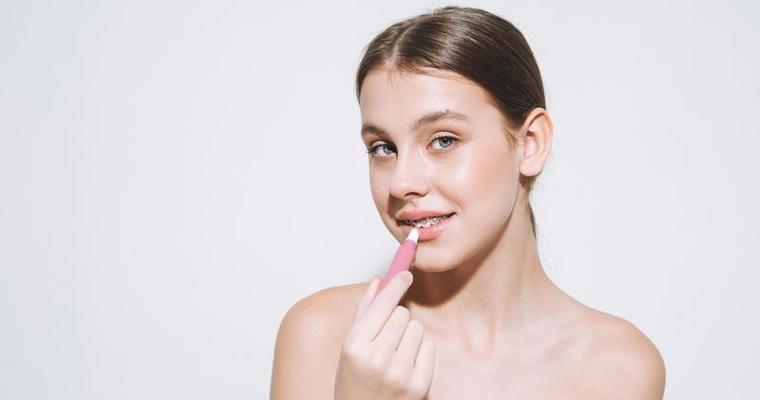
383, 355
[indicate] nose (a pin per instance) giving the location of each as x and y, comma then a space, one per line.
409, 178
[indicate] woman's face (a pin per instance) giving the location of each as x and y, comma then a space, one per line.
460, 162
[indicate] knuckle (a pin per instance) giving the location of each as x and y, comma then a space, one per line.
416, 326
350, 348
395, 377
416, 391
402, 312
417, 387
377, 362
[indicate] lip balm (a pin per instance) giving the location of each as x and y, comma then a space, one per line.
403, 258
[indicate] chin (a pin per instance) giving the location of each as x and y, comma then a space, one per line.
433, 268
431, 260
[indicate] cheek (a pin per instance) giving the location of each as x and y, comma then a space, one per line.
482, 170
379, 188
482, 184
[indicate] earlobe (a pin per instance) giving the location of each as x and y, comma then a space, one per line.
537, 141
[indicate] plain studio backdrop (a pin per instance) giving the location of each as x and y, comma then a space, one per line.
175, 175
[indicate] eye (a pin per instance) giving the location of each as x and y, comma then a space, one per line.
445, 141
372, 151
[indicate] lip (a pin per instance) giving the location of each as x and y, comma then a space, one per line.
430, 232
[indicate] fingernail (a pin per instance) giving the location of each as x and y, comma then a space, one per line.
406, 276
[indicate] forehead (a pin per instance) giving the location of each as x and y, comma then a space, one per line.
388, 92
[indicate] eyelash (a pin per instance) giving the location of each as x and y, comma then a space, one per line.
454, 139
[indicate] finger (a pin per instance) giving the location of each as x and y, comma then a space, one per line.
409, 347
422, 373
383, 305
389, 337
369, 293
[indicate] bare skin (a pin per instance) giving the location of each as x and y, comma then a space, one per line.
501, 327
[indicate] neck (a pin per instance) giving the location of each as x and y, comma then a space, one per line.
500, 293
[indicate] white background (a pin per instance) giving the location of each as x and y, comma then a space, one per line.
175, 175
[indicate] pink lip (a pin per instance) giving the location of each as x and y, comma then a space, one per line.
430, 232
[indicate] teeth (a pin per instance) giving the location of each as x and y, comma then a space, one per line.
424, 223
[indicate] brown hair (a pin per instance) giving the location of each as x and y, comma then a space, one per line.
474, 43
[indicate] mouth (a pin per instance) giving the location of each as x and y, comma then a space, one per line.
424, 223
429, 228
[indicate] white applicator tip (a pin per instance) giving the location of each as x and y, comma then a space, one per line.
413, 235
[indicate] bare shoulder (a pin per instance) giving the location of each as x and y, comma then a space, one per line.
309, 339
325, 311
621, 361
325, 314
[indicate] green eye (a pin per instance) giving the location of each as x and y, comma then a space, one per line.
445, 141
372, 151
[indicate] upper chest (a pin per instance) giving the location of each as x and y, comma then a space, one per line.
518, 375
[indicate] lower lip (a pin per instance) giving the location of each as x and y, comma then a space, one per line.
430, 232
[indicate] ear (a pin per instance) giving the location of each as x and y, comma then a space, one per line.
535, 141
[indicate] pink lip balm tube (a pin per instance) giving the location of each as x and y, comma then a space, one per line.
402, 261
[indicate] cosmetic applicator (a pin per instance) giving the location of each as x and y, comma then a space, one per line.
403, 258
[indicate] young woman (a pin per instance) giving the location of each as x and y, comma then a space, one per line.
455, 124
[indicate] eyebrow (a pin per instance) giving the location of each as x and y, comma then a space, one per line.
368, 129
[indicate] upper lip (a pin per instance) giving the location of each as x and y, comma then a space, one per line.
419, 214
